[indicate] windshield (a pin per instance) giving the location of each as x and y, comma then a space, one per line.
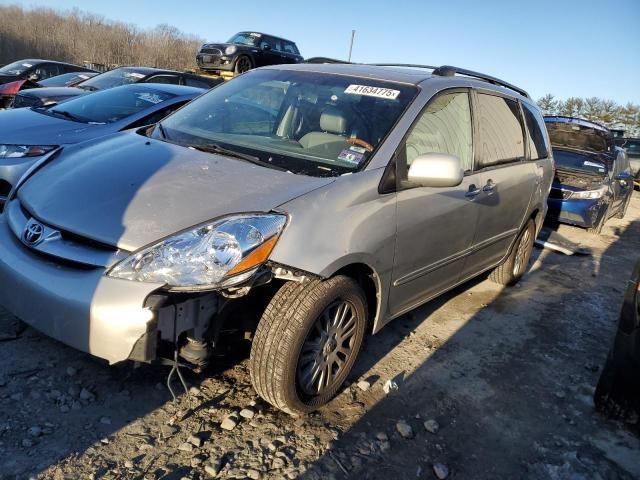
578, 161
64, 79
245, 39
578, 136
308, 123
109, 106
16, 68
112, 78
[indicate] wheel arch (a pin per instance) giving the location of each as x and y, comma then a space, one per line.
367, 277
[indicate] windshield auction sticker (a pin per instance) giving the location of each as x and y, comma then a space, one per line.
377, 92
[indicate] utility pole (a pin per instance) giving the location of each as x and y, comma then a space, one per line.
353, 34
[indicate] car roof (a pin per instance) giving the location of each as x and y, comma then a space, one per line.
177, 90
267, 34
577, 121
145, 70
409, 74
36, 61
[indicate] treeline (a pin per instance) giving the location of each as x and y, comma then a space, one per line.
78, 37
605, 112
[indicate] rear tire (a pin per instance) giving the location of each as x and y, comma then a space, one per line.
307, 342
515, 265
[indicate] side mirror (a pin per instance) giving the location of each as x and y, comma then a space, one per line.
266, 46
436, 170
34, 77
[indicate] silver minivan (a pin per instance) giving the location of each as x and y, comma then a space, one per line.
307, 204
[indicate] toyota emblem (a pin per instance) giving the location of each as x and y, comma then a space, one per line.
33, 233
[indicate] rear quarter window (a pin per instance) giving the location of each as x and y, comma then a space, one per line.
536, 133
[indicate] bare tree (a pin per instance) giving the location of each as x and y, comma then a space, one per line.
76, 36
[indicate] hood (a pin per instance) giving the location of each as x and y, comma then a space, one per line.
129, 191
579, 134
19, 126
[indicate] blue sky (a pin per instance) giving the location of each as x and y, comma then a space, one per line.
565, 47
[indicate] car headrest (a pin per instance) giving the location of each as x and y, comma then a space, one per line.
332, 121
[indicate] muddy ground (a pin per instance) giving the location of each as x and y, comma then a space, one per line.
492, 384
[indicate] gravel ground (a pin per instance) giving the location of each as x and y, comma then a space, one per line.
490, 383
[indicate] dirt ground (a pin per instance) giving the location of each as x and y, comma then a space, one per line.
492, 383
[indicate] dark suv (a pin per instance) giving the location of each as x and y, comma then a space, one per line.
247, 50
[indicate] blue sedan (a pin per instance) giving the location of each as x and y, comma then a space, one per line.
593, 180
27, 134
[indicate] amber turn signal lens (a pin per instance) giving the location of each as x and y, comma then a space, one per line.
255, 258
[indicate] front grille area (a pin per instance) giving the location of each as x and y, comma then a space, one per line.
211, 51
60, 244
559, 194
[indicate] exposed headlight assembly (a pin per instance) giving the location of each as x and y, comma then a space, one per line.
589, 194
230, 50
219, 254
20, 151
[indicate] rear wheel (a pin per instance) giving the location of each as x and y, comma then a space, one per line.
514, 267
243, 64
307, 342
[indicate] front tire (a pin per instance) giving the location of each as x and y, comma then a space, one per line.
515, 265
307, 342
243, 64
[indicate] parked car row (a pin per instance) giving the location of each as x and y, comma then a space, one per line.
309, 204
56, 89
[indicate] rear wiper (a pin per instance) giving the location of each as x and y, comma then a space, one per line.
220, 150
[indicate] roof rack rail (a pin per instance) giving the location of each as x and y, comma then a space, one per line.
449, 71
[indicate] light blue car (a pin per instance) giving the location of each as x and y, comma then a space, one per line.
27, 134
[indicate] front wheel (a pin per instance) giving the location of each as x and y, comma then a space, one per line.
307, 342
243, 64
515, 265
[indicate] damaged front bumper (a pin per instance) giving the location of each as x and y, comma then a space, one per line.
580, 212
78, 306
109, 318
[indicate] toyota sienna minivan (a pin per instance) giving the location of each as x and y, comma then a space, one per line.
309, 204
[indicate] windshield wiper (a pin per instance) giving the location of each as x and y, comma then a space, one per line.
220, 150
68, 115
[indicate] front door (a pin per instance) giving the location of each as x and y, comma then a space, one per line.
435, 226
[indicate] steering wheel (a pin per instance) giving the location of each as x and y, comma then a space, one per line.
361, 143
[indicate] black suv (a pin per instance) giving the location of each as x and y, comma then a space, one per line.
247, 50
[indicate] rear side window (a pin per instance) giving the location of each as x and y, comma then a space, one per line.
501, 137
443, 127
536, 138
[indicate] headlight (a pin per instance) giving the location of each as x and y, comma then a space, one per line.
230, 50
590, 194
20, 151
223, 253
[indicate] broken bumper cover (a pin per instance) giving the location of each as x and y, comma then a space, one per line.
78, 306
582, 213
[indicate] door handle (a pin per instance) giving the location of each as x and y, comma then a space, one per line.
489, 187
473, 191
